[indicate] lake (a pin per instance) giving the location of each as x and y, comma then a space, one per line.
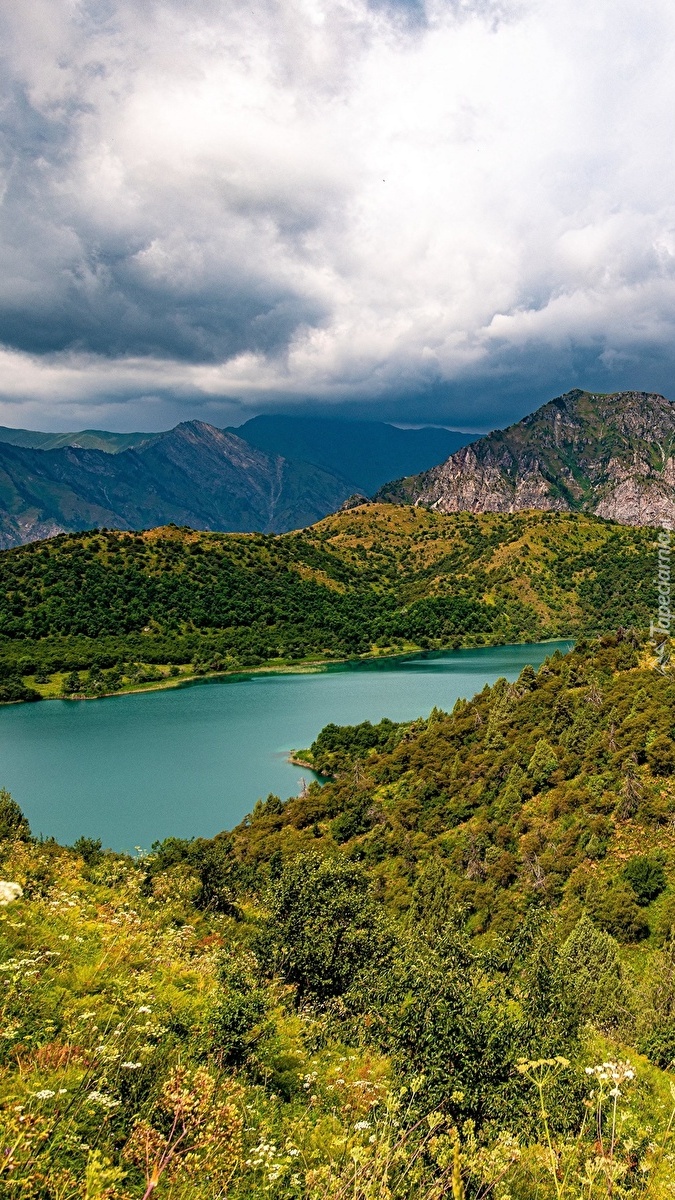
193, 760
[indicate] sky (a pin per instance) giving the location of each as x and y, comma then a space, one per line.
443, 211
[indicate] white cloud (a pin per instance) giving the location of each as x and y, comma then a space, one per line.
314, 198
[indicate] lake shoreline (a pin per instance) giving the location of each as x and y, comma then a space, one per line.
193, 761
311, 667
302, 762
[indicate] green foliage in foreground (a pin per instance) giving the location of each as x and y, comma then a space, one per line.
473, 991
376, 578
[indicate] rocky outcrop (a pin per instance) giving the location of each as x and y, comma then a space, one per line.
610, 455
354, 501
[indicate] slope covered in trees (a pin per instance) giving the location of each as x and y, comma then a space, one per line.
372, 579
449, 972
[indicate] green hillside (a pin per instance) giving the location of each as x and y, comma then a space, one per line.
375, 579
449, 972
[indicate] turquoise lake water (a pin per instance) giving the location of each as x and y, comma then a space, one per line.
193, 760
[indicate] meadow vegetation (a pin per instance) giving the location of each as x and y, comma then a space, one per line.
448, 971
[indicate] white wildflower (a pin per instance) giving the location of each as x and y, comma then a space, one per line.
131, 1066
9, 891
144, 1008
360, 1125
45, 1094
102, 1099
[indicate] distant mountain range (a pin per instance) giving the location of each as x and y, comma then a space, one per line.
609, 455
86, 439
364, 453
193, 475
199, 475
612, 456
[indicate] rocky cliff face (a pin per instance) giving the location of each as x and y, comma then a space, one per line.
610, 455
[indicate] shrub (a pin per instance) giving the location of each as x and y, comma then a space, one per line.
661, 755
613, 906
90, 849
646, 876
239, 1019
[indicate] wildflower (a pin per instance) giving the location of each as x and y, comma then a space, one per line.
45, 1094
612, 1072
360, 1125
144, 1008
131, 1066
102, 1099
9, 891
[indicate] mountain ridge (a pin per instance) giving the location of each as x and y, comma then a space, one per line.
197, 474
365, 453
369, 580
86, 439
194, 474
611, 455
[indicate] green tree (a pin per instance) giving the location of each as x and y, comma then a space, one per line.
661, 755
323, 926
240, 1018
13, 824
434, 903
595, 973
542, 763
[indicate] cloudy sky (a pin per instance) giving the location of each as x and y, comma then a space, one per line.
419, 210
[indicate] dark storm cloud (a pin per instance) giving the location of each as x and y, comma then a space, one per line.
70, 282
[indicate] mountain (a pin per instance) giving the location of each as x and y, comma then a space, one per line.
193, 475
365, 453
87, 439
610, 455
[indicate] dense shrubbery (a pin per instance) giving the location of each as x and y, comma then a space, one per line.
528, 793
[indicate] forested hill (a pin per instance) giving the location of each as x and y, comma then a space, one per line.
373, 579
536, 792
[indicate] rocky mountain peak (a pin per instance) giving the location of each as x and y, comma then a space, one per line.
611, 455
